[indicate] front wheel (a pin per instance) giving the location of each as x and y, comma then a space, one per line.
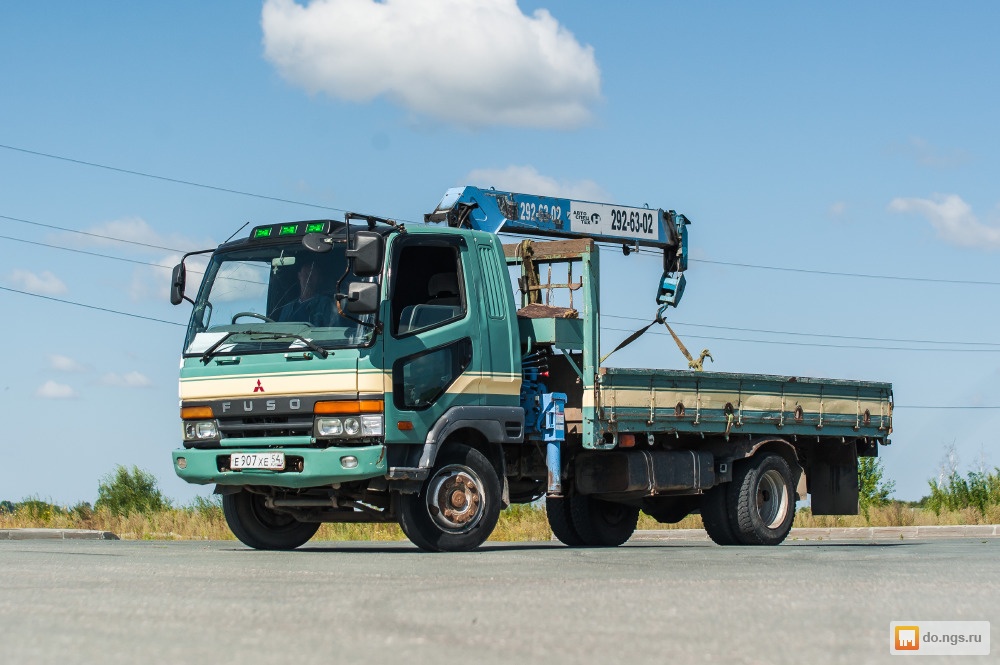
458, 505
261, 528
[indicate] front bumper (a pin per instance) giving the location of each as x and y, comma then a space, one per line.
318, 466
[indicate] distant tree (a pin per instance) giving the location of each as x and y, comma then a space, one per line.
6, 507
124, 491
874, 489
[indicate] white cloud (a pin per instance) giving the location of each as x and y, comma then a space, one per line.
838, 209
53, 390
153, 282
44, 283
139, 235
953, 218
474, 64
127, 380
65, 364
527, 180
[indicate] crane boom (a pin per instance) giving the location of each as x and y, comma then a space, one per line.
496, 211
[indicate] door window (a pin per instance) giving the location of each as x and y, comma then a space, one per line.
419, 380
428, 288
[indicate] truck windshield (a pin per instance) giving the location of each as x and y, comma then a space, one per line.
258, 299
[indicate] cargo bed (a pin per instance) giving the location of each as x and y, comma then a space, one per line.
683, 401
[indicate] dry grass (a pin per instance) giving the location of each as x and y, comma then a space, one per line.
900, 514
517, 523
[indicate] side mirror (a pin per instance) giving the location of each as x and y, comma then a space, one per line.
366, 254
362, 297
177, 282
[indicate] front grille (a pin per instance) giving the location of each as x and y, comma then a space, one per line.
252, 427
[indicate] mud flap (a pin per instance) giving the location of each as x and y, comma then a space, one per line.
833, 479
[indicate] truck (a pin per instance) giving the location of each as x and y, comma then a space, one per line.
430, 375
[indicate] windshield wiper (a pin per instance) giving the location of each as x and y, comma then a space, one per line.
315, 348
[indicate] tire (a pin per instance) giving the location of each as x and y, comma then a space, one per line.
458, 505
761, 500
715, 516
261, 528
602, 523
561, 521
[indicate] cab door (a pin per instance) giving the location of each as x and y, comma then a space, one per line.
432, 337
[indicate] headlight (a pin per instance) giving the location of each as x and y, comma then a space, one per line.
329, 426
351, 427
200, 430
371, 425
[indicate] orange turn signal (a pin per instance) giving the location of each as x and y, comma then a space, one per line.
404, 426
196, 412
348, 407
626, 440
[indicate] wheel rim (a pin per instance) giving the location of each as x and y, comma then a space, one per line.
772, 499
455, 499
611, 514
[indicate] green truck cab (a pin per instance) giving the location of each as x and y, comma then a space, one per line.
366, 371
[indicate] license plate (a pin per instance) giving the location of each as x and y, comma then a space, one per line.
272, 461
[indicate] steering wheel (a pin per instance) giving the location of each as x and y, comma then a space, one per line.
253, 315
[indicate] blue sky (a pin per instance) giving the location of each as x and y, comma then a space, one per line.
853, 138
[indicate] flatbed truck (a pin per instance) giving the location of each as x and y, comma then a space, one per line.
372, 371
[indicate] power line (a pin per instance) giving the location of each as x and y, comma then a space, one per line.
176, 181
816, 344
803, 334
89, 234
614, 316
94, 307
190, 183
831, 273
83, 251
931, 407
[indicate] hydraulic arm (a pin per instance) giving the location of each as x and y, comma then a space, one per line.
495, 211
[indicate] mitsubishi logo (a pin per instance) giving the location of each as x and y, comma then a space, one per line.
258, 388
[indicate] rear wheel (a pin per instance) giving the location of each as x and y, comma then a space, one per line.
762, 500
458, 505
557, 510
602, 523
715, 516
261, 528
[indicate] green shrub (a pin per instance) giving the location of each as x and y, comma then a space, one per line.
209, 507
873, 488
37, 510
979, 490
123, 492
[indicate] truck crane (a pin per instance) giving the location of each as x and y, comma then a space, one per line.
373, 371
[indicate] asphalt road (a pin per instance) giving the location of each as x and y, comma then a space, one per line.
647, 602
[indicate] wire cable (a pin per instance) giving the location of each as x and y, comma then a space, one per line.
176, 181
831, 273
83, 251
94, 307
817, 344
803, 334
89, 234
227, 190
